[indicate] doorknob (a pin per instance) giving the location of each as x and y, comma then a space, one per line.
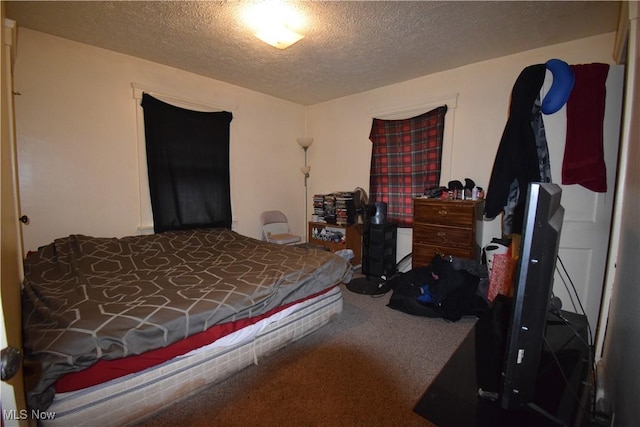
24, 219
11, 358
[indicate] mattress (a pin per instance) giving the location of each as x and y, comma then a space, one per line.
88, 299
145, 393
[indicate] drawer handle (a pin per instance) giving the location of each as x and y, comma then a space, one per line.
441, 233
443, 212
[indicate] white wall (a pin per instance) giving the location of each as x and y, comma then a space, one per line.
76, 125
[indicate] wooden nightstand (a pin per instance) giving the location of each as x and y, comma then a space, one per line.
447, 227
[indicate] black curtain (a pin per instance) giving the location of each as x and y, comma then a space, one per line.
188, 164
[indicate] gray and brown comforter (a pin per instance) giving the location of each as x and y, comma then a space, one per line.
88, 298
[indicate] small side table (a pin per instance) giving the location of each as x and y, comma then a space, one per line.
352, 238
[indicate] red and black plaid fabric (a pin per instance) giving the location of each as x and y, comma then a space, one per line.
405, 160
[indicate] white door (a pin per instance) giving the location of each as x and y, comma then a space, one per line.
13, 402
587, 220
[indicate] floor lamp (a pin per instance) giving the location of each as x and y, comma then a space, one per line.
305, 143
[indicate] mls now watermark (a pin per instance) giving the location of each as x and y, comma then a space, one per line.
23, 414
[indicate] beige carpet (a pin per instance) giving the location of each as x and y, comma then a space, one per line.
368, 367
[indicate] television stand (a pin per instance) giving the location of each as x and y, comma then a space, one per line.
452, 399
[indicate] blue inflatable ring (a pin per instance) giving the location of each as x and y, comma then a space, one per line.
563, 80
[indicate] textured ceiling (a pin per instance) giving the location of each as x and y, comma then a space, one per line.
349, 47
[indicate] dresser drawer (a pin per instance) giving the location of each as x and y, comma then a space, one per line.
447, 212
442, 235
423, 254
447, 227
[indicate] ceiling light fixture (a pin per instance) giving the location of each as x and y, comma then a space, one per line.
280, 37
275, 22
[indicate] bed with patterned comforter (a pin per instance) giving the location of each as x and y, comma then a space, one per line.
87, 299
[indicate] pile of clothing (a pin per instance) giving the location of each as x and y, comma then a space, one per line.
449, 288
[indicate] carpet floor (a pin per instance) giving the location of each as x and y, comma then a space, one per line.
367, 367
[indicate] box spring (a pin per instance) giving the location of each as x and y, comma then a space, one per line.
129, 399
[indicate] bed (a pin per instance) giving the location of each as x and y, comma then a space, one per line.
143, 321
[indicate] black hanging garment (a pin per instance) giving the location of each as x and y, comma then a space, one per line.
516, 162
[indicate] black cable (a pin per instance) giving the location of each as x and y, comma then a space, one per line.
566, 321
393, 276
565, 379
404, 258
577, 298
590, 346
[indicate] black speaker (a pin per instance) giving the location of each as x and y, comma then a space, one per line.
379, 249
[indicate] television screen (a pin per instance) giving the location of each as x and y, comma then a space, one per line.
533, 285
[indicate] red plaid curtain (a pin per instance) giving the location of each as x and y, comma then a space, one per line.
405, 160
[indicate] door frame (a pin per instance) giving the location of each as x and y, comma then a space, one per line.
14, 411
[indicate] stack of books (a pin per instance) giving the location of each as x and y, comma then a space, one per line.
318, 208
335, 208
330, 208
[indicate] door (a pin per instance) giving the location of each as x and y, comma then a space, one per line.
587, 218
13, 401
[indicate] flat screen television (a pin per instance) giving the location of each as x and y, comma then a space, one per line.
532, 292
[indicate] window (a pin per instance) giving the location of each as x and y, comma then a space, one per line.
406, 158
187, 156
